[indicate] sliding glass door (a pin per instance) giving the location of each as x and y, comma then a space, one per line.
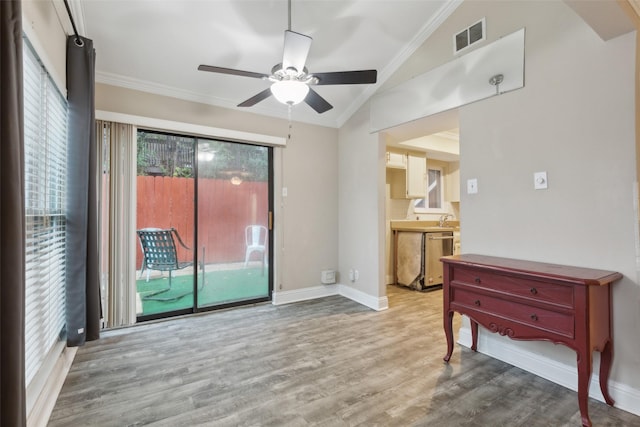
233, 205
165, 224
203, 224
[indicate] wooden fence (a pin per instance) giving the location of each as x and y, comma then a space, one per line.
224, 210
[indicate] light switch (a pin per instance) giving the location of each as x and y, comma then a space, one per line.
472, 186
540, 181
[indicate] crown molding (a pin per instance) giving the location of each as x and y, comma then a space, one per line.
159, 89
383, 75
186, 95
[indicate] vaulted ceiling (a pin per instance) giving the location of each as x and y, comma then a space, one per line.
157, 45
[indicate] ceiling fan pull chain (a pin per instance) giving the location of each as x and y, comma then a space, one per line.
289, 116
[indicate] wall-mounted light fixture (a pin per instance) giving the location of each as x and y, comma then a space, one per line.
495, 81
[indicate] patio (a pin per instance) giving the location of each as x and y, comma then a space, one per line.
223, 283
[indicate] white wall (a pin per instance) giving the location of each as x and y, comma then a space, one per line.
574, 119
361, 157
309, 213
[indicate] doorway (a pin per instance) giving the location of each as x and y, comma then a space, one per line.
203, 224
434, 141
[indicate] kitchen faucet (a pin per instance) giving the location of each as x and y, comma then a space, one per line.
443, 220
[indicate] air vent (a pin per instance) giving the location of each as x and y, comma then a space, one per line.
470, 35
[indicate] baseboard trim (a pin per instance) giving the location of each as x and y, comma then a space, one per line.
375, 303
625, 397
43, 406
296, 295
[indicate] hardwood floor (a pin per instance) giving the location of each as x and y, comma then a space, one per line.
327, 362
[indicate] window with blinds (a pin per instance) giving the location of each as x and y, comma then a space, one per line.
45, 154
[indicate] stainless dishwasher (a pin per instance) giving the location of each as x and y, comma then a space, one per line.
417, 257
436, 245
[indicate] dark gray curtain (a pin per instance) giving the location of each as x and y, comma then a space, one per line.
83, 277
12, 275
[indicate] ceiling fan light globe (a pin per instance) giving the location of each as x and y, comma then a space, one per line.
289, 92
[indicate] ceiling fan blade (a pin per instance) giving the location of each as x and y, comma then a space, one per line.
296, 49
317, 102
347, 77
256, 98
231, 71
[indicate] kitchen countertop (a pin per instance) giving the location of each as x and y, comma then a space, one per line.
421, 226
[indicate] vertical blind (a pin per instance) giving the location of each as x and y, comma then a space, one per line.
118, 222
45, 139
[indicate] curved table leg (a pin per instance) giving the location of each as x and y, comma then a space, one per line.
584, 376
474, 335
448, 332
606, 356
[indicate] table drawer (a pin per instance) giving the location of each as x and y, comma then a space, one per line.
561, 295
539, 318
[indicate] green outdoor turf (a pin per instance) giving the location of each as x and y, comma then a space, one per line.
220, 287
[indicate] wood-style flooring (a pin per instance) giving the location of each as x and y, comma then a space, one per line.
325, 362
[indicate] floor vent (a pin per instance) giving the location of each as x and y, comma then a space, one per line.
470, 35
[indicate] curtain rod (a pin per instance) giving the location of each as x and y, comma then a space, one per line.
79, 41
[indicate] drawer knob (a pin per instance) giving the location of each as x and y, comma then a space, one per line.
477, 279
533, 291
534, 317
477, 302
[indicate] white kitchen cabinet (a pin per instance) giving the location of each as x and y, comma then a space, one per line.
409, 183
416, 176
396, 160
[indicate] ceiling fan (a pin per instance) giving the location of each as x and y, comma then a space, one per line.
291, 80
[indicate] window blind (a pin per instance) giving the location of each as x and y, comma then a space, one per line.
45, 140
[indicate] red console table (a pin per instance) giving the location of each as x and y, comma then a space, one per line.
527, 300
